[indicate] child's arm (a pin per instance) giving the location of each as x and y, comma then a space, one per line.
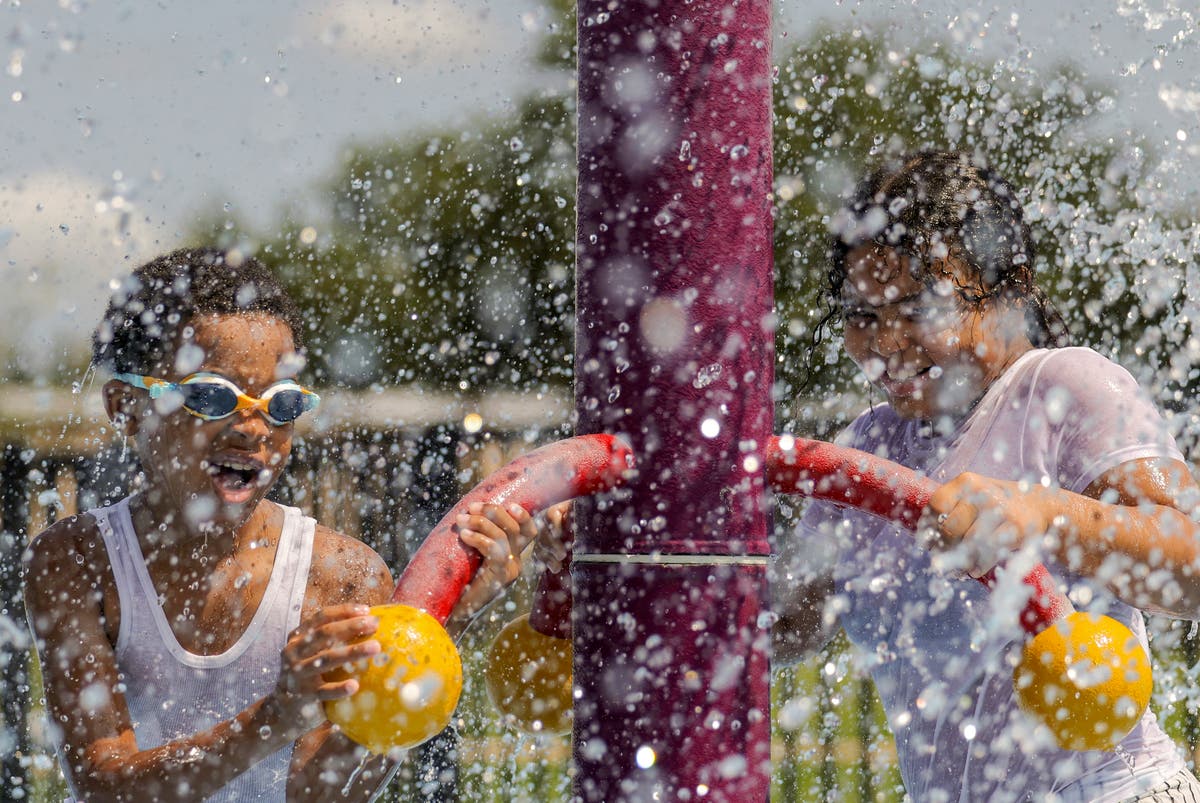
1132, 529
343, 570
63, 597
500, 535
325, 763
552, 547
802, 584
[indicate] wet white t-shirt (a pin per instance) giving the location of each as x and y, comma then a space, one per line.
938, 646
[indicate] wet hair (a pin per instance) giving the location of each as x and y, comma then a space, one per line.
936, 203
160, 298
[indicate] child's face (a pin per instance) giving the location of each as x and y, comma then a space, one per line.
930, 352
214, 473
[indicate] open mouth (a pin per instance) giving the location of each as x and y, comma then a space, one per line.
235, 480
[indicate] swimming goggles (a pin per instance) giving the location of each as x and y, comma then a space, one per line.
213, 397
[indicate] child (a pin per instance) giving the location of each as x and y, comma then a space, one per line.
184, 632
1043, 449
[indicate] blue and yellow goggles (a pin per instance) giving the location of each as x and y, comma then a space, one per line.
213, 397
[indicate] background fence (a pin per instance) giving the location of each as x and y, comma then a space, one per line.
359, 470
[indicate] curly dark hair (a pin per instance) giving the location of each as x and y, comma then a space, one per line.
948, 201
158, 299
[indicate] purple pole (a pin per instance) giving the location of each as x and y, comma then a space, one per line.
674, 353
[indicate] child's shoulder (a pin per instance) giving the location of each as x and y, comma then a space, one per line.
1083, 372
71, 554
344, 569
1072, 361
78, 534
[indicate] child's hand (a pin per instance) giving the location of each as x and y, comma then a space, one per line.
553, 542
318, 645
500, 535
975, 522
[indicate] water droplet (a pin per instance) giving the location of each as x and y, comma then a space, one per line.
1058, 402
707, 375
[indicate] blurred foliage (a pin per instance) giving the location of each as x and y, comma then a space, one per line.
558, 45
448, 258
447, 261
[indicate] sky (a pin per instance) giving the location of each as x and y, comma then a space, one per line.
122, 121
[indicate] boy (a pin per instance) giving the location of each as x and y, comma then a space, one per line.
184, 632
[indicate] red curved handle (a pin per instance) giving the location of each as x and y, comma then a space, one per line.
441, 568
854, 478
847, 477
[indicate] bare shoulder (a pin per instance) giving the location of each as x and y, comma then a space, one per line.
345, 569
64, 565
64, 534
63, 548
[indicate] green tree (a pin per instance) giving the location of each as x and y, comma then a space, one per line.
448, 260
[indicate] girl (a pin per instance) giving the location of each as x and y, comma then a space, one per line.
184, 632
1043, 449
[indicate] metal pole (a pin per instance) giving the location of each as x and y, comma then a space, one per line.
674, 352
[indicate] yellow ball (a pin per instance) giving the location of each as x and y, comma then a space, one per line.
529, 678
1087, 679
408, 692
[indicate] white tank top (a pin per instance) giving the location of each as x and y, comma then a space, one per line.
173, 693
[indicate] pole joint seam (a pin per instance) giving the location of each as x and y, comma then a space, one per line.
673, 560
